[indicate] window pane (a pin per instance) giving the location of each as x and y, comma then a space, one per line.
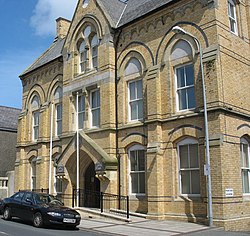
95, 99
59, 127
182, 99
180, 77
141, 182
245, 181
193, 153
195, 180
132, 91
191, 97
134, 182
139, 88
141, 160
96, 117
244, 155
185, 182
132, 160
189, 75
133, 106
59, 111
81, 120
183, 156
81, 103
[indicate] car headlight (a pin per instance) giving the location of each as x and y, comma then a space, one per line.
54, 213
78, 216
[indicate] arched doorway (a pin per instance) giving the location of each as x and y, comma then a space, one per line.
91, 188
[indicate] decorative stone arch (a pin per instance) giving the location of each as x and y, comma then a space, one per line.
56, 82
125, 60
133, 139
170, 36
35, 90
177, 40
143, 54
31, 154
183, 132
87, 20
243, 130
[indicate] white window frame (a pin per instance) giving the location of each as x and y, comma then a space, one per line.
177, 89
244, 142
132, 149
58, 120
187, 141
94, 109
232, 19
136, 100
35, 125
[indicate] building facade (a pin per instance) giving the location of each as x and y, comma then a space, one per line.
8, 141
116, 105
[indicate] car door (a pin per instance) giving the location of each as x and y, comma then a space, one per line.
27, 206
15, 204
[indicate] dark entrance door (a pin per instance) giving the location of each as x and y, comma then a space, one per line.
91, 188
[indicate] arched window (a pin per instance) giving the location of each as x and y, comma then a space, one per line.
83, 56
245, 165
184, 76
137, 168
35, 104
94, 51
88, 49
58, 112
133, 72
189, 170
33, 173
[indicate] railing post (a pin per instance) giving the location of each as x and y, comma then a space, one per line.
79, 197
101, 202
73, 198
127, 207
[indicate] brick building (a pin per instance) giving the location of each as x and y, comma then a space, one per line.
8, 140
116, 105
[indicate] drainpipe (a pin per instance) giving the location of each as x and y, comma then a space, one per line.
51, 146
118, 156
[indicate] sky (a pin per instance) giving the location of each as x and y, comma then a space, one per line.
27, 30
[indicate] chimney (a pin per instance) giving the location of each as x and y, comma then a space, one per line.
62, 27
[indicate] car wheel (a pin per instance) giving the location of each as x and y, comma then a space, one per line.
38, 220
6, 213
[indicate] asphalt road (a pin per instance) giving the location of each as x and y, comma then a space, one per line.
17, 227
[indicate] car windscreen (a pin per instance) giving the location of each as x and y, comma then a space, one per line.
47, 199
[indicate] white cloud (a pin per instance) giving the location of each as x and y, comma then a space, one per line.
47, 11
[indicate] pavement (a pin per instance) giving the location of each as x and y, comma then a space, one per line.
146, 227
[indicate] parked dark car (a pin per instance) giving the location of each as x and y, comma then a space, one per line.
1, 206
39, 208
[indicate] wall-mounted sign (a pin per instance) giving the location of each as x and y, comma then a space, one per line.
229, 192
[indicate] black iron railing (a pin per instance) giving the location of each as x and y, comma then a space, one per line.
41, 190
106, 202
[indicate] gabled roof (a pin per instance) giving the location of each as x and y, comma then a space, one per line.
54, 52
122, 12
9, 118
117, 12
